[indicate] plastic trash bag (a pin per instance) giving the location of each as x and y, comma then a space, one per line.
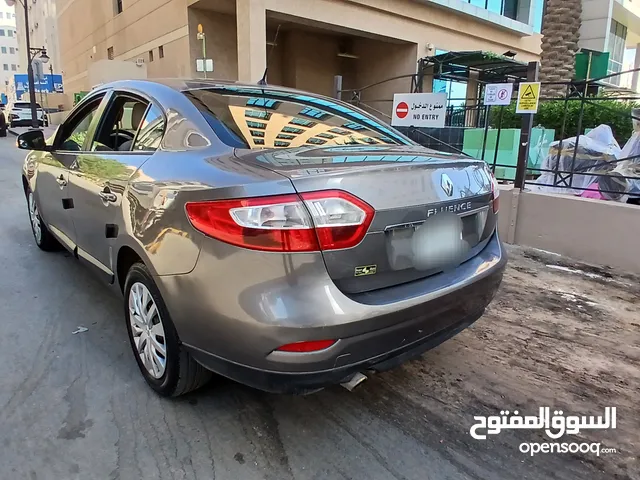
597, 152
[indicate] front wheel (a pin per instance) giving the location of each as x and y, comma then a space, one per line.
164, 364
41, 234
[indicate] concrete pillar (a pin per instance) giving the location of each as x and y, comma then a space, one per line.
252, 40
636, 75
471, 101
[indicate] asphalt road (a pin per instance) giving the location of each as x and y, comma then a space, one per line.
76, 407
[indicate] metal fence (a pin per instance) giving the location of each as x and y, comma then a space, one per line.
565, 162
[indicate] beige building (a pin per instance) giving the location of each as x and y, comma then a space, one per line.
365, 41
9, 54
43, 31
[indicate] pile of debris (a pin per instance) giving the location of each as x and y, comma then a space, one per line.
597, 168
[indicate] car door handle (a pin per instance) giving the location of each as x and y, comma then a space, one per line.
61, 181
107, 196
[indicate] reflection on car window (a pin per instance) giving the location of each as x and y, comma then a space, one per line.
75, 132
151, 131
263, 118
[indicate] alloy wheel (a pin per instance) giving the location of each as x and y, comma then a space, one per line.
34, 216
147, 330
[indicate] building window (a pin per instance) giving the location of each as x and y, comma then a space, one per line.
118, 6
150, 56
507, 8
1, 32
6, 67
12, 50
257, 114
456, 90
302, 122
263, 102
110, 53
10, 33
615, 47
2, 15
284, 136
13, 67
4, 50
297, 131
161, 51
259, 125
312, 112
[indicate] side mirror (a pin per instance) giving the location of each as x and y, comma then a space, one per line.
32, 140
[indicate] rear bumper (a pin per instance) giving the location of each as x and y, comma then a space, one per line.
308, 382
235, 309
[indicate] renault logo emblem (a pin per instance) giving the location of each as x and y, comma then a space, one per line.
446, 184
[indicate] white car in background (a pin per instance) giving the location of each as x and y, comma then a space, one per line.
19, 115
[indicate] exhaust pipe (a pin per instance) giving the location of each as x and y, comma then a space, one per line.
356, 380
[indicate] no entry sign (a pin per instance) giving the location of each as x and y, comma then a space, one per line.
419, 110
402, 110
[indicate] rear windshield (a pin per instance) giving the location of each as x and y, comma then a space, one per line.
262, 118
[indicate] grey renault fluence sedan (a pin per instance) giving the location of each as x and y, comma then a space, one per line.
283, 239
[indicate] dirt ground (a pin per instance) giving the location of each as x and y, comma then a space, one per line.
559, 334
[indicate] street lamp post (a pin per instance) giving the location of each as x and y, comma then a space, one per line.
31, 53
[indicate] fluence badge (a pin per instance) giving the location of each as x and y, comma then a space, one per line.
366, 270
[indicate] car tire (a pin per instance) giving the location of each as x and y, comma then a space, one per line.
144, 311
3, 132
41, 234
12, 125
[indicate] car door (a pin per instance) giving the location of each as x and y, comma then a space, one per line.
98, 179
52, 181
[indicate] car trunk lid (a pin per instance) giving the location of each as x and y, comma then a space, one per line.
420, 198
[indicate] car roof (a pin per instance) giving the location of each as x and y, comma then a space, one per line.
182, 84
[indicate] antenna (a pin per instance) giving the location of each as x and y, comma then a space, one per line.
274, 44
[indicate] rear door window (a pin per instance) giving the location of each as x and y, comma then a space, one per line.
151, 130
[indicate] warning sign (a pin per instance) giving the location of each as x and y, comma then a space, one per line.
528, 97
498, 93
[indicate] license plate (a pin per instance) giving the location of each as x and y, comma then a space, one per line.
438, 243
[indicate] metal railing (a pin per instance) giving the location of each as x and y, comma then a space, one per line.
583, 105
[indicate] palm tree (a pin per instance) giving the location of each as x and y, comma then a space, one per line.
561, 33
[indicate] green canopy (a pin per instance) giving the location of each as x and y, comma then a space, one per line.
490, 66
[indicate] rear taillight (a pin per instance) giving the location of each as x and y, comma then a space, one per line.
302, 347
326, 220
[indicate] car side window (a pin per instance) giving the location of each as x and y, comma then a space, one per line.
151, 131
120, 123
74, 133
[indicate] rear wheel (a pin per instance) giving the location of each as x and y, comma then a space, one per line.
165, 365
41, 234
